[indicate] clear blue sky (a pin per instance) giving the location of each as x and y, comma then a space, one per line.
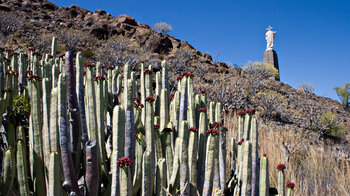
312, 40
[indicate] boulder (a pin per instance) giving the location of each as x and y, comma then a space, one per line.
157, 44
126, 19
100, 12
49, 5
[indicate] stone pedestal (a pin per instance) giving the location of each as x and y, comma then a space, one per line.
270, 56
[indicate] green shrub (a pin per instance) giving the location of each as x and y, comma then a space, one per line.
20, 111
344, 94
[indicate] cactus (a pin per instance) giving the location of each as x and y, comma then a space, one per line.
255, 158
100, 115
161, 177
118, 145
150, 139
264, 176
281, 179
46, 84
8, 172
146, 179
91, 174
70, 180
184, 170
36, 115
246, 168
290, 188
22, 167
192, 159
209, 162
129, 148
202, 144
183, 105
54, 46
80, 96
124, 164
54, 133
74, 113
54, 172
157, 93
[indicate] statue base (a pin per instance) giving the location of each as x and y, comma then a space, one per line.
270, 56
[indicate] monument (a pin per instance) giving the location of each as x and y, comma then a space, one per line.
270, 55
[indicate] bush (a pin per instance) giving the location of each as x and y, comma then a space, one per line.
344, 94
162, 27
260, 70
327, 125
20, 111
271, 103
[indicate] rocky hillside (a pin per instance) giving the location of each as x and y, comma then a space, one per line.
33, 23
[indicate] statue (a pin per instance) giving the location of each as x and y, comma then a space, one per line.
270, 38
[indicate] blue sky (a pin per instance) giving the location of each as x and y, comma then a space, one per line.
312, 40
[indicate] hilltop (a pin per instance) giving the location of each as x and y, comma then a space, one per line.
99, 35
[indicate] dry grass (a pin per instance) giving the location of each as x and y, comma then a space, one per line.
312, 168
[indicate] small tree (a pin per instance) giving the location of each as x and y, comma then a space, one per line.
306, 88
344, 94
162, 27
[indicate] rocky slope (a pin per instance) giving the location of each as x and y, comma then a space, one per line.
33, 19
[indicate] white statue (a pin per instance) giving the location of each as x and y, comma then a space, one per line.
270, 38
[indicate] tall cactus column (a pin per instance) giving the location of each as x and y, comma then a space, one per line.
264, 176
150, 141
74, 112
246, 169
36, 115
70, 180
255, 158
100, 115
209, 163
184, 171
129, 149
118, 145
80, 96
281, 179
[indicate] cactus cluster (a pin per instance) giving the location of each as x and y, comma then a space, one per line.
250, 174
95, 131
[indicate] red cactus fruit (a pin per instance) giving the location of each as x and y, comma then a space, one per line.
124, 162
193, 129
281, 166
249, 111
147, 71
179, 78
241, 113
290, 185
150, 99
213, 132
202, 110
